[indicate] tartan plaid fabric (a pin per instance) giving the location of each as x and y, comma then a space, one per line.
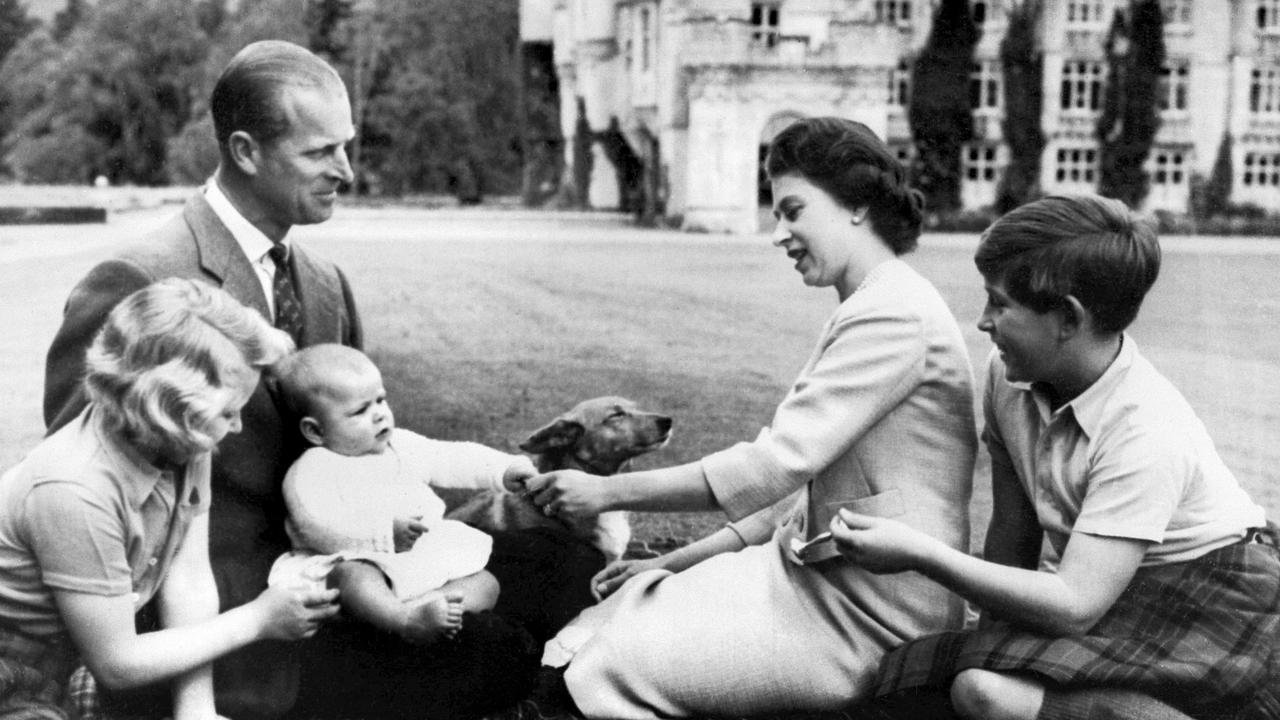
82, 695
1198, 635
33, 676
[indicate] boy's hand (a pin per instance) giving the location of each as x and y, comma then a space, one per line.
405, 531
520, 470
878, 544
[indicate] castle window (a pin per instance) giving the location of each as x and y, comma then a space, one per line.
1177, 13
646, 38
626, 23
1261, 169
979, 163
1169, 168
1171, 93
1086, 12
893, 12
985, 85
1268, 14
1077, 165
981, 11
764, 24
1264, 91
1081, 86
900, 84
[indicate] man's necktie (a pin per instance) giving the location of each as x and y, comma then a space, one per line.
288, 307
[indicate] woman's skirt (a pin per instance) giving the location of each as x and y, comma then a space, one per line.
1199, 635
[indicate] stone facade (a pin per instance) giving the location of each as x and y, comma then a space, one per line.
698, 87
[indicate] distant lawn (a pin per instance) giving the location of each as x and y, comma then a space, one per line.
487, 329
488, 324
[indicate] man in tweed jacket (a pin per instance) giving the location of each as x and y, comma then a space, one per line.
282, 118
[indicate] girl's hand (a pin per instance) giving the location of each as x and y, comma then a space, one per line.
618, 572
568, 493
405, 531
294, 614
879, 544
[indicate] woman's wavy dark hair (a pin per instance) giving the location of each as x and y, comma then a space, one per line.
847, 160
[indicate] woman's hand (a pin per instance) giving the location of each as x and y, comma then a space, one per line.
294, 614
405, 531
568, 493
618, 572
879, 544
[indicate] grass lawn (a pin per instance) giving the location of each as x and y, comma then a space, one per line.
487, 329
489, 323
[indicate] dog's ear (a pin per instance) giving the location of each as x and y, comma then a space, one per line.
556, 435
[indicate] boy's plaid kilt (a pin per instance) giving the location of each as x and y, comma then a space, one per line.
1198, 635
33, 676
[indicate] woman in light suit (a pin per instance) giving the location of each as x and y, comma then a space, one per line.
880, 420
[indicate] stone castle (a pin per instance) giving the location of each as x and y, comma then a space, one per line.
680, 96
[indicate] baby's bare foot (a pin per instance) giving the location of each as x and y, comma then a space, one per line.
433, 619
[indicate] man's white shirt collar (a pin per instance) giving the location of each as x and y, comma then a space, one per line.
253, 242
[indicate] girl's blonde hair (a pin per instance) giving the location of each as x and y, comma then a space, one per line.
154, 367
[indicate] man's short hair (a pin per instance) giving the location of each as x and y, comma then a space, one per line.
1092, 248
247, 94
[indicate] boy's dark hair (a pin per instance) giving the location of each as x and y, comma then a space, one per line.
852, 165
1092, 248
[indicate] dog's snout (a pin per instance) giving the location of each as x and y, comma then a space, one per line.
664, 423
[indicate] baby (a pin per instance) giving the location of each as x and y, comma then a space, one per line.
361, 510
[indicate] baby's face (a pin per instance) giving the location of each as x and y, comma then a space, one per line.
355, 418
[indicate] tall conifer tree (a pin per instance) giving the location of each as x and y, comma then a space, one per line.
940, 116
1023, 64
1130, 114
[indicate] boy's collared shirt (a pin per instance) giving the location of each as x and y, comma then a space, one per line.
1126, 458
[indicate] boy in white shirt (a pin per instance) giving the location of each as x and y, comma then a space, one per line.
361, 510
1126, 573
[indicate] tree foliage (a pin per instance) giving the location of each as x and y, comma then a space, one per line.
446, 100
542, 144
940, 116
324, 21
1023, 64
1212, 197
14, 26
120, 87
108, 96
1130, 115
68, 18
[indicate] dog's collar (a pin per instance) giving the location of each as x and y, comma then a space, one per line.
594, 469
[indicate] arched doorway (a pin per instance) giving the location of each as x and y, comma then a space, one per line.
775, 125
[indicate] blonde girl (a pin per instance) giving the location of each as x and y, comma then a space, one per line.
112, 511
